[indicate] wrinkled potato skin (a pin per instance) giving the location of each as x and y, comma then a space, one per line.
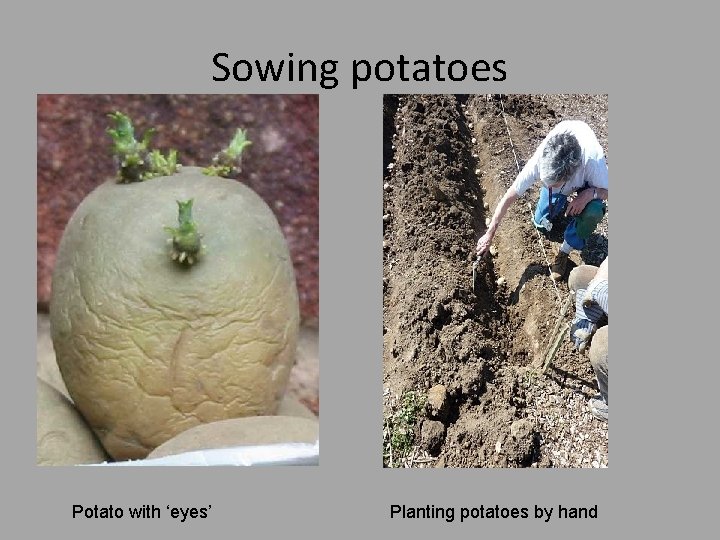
149, 348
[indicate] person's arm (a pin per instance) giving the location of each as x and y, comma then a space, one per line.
596, 176
602, 273
578, 204
485, 240
589, 307
597, 289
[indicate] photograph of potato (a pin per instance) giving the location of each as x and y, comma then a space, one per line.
182, 292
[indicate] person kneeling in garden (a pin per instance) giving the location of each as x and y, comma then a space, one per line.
569, 161
590, 285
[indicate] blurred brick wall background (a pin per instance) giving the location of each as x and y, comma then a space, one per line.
281, 165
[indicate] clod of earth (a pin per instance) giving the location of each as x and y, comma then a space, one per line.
432, 436
438, 404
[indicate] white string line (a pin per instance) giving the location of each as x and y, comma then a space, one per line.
540, 239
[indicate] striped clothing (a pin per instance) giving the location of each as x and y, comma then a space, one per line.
587, 317
599, 295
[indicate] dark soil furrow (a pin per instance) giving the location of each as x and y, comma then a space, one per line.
437, 329
447, 162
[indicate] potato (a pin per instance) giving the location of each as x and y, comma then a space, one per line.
290, 406
257, 430
63, 437
47, 368
148, 347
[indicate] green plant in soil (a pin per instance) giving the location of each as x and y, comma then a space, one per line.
530, 377
400, 427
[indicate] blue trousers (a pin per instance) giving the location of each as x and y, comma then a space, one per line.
580, 227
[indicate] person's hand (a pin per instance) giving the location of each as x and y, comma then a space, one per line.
578, 204
484, 243
581, 333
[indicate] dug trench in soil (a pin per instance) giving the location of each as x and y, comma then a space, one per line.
446, 159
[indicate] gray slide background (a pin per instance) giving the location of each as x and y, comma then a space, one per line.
655, 67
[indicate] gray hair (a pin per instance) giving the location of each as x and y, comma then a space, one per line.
560, 158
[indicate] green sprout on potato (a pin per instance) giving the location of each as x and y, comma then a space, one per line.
185, 238
163, 165
227, 162
136, 161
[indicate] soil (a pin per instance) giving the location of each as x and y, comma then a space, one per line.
447, 162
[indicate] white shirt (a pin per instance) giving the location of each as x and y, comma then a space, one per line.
592, 171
